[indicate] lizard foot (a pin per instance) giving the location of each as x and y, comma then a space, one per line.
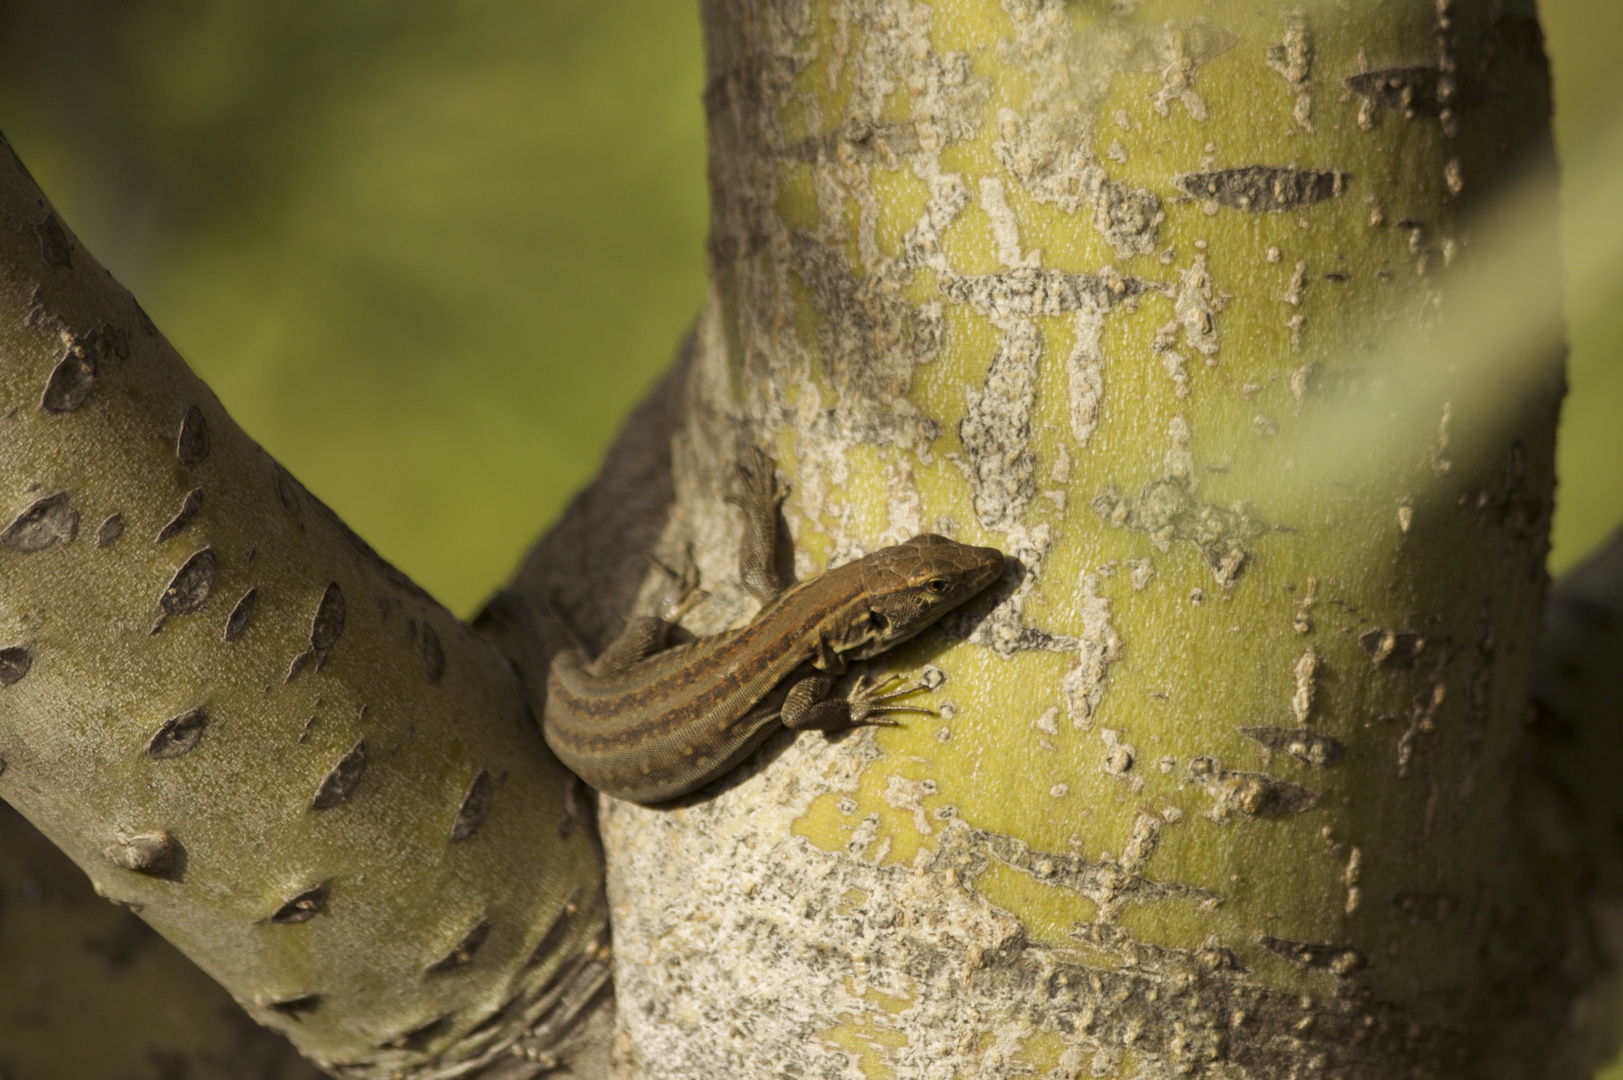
758, 489
869, 706
683, 594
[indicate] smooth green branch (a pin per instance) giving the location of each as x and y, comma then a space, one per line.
246, 726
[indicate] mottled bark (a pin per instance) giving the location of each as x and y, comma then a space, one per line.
1230, 777
252, 731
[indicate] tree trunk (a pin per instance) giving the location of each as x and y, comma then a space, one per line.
1230, 777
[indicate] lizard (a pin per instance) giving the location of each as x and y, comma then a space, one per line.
648, 722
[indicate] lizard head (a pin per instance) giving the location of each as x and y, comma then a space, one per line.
913, 584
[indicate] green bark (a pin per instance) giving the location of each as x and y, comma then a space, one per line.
248, 728
1231, 779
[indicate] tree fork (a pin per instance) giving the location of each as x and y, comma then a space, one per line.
248, 728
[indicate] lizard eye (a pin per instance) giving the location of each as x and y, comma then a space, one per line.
936, 585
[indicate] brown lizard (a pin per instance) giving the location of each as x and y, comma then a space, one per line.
647, 723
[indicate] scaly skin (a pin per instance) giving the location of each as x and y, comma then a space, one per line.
648, 725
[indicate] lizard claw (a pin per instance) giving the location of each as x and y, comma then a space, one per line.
869, 706
688, 595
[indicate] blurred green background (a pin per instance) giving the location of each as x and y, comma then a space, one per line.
430, 254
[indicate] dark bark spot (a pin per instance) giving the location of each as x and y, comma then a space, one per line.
70, 383
1337, 959
1264, 188
339, 784
295, 1007
74, 376
433, 654
1308, 747
189, 506
178, 736
1397, 648
1250, 794
192, 445
559, 929
148, 853
14, 664
328, 625
325, 630
418, 1037
1422, 91
109, 342
110, 530
1033, 292
191, 585
463, 951
48, 521
302, 908
53, 242
287, 492
240, 615
475, 805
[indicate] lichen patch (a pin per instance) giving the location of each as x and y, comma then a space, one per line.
1248, 794
1292, 58
1098, 647
1167, 512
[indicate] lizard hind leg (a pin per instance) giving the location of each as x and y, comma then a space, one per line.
646, 635
760, 497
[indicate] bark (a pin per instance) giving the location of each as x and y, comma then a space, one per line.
248, 728
1231, 777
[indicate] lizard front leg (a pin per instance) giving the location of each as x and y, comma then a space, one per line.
808, 708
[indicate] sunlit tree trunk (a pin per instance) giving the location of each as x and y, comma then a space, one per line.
1231, 775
